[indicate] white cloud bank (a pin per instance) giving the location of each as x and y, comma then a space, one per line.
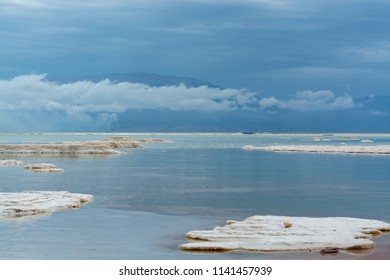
31, 102
310, 101
34, 92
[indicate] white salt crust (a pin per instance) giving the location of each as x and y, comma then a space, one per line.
378, 150
283, 234
39, 203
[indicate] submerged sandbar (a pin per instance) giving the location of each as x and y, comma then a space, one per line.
286, 234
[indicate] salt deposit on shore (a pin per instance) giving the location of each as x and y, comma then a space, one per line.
10, 162
43, 167
379, 150
283, 234
32, 204
99, 147
366, 141
36, 167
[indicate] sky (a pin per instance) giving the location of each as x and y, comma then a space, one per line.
265, 55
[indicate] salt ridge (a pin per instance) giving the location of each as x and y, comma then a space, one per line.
377, 149
107, 146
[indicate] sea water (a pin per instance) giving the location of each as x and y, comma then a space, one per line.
146, 200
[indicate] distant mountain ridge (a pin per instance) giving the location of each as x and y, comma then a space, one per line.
150, 79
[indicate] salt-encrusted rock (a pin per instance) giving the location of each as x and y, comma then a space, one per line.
31, 204
106, 146
126, 142
10, 162
278, 233
43, 167
378, 150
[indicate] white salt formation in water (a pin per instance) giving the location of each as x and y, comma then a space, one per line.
103, 146
43, 167
10, 162
32, 204
378, 150
283, 234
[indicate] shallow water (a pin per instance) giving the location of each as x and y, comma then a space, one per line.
145, 201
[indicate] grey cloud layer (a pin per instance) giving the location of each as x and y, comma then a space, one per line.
235, 43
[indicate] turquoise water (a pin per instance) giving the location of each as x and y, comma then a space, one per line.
146, 200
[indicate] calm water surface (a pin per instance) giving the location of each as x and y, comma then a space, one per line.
146, 200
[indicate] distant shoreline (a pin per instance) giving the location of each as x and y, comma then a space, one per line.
106, 146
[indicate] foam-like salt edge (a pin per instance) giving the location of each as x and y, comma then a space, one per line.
376, 150
30, 204
284, 234
36, 167
43, 167
10, 162
103, 146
